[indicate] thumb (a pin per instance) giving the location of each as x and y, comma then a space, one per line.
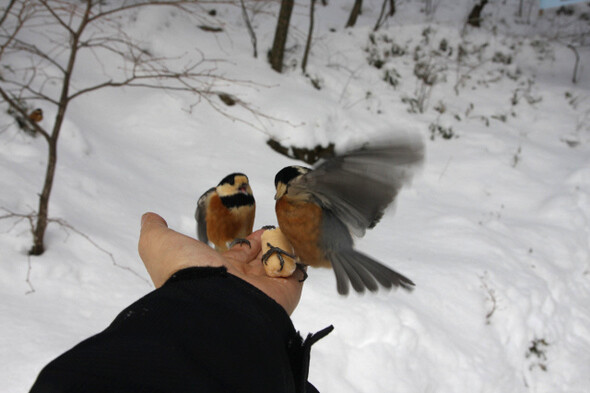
152, 228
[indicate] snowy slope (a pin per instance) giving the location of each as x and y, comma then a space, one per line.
494, 230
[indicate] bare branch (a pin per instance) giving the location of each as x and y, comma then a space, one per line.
17, 28
177, 4
57, 17
64, 224
67, 226
35, 94
35, 51
6, 12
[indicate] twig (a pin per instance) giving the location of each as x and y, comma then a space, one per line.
491, 296
66, 225
28, 278
13, 104
445, 168
465, 75
6, 12
19, 218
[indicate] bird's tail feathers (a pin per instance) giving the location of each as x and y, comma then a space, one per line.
363, 272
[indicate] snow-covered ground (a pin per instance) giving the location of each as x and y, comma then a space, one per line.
495, 230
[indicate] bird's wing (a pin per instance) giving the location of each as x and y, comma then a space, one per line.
364, 272
359, 185
200, 215
351, 266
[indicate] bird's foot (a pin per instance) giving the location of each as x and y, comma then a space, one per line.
279, 251
239, 241
267, 227
303, 268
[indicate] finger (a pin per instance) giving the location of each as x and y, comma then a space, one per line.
165, 251
152, 218
152, 228
242, 253
154, 237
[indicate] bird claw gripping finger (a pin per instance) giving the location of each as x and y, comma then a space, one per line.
240, 241
303, 269
279, 260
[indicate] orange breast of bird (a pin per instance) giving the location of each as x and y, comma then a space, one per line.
224, 225
300, 222
36, 116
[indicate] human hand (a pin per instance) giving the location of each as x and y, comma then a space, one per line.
165, 251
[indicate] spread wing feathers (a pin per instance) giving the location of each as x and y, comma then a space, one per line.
201, 213
359, 185
363, 272
352, 266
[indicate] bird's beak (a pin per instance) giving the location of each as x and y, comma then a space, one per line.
281, 190
243, 188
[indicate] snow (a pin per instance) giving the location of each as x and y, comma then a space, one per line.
494, 230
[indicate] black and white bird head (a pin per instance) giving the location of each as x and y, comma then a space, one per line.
234, 190
286, 176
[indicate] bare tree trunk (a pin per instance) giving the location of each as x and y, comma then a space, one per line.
250, 29
277, 52
391, 8
382, 15
354, 14
42, 217
309, 37
576, 64
474, 18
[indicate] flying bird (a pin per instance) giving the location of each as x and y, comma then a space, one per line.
320, 209
225, 214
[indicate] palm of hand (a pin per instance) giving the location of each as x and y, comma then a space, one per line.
165, 251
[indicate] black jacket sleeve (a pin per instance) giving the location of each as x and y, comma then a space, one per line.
204, 330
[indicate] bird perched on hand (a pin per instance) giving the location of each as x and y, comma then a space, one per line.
225, 214
319, 210
36, 116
